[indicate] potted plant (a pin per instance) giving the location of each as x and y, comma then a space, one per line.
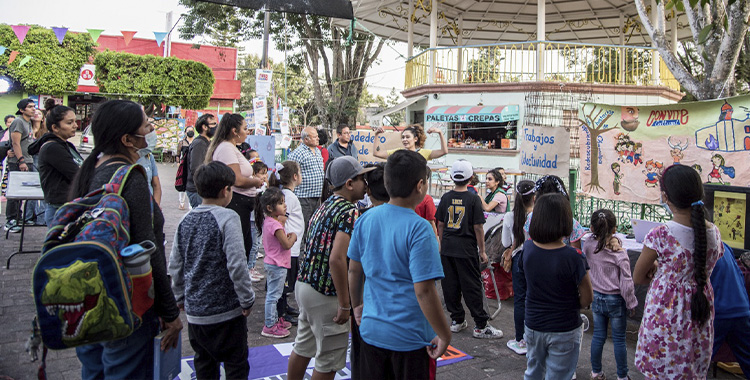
509, 142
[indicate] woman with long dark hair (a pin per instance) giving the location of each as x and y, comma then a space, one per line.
677, 329
233, 131
58, 159
413, 138
496, 199
119, 128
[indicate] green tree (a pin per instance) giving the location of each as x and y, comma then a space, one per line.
484, 68
154, 80
54, 67
337, 65
368, 100
394, 98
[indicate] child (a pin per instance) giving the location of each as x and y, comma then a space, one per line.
461, 231
288, 176
269, 211
260, 171
209, 279
614, 293
398, 307
553, 184
686, 250
513, 236
557, 286
472, 184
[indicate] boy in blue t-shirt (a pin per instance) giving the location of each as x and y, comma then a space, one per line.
398, 308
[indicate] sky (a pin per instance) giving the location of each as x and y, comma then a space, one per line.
148, 16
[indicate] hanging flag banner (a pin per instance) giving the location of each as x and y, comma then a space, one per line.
624, 155
545, 150
87, 76
128, 36
95, 33
13, 56
60, 33
160, 36
262, 82
260, 110
24, 61
20, 31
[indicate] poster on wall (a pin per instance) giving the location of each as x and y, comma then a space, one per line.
625, 149
266, 147
364, 141
545, 150
169, 132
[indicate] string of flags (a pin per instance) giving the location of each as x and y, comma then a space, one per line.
21, 30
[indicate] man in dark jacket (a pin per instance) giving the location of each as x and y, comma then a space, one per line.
206, 127
343, 146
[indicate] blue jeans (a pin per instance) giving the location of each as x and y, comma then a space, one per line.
49, 213
736, 332
275, 278
194, 199
519, 297
552, 355
253, 251
609, 308
127, 358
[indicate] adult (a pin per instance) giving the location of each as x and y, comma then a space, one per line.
182, 149
58, 159
148, 162
206, 127
413, 138
232, 132
310, 162
342, 146
119, 128
322, 143
496, 200
19, 158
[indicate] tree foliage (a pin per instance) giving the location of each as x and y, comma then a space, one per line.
54, 68
718, 29
149, 79
337, 65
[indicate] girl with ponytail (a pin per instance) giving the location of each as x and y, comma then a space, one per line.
677, 258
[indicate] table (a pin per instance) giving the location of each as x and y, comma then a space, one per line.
17, 190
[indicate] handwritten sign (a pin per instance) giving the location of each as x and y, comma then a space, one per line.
364, 141
545, 150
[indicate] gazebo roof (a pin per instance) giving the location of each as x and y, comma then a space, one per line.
495, 21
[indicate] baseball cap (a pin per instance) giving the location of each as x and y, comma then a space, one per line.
22, 105
343, 169
461, 170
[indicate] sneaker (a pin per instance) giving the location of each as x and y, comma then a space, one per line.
518, 347
258, 274
292, 312
275, 331
291, 319
286, 325
15, 229
254, 276
9, 224
260, 255
488, 332
30, 223
456, 327
598, 376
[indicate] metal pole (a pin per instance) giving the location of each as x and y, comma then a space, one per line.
266, 31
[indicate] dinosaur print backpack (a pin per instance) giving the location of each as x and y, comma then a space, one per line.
82, 289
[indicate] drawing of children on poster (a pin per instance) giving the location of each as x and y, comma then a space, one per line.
676, 149
719, 168
618, 178
653, 172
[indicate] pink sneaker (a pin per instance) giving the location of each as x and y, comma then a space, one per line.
276, 331
284, 324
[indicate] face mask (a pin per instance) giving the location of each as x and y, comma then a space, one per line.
150, 141
190, 134
666, 207
211, 132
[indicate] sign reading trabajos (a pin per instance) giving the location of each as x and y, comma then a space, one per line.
545, 150
624, 150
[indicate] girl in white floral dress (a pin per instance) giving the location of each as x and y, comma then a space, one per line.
676, 334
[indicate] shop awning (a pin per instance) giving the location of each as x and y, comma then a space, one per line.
377, 120
472, 114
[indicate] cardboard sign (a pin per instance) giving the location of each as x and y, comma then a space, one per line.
364, 141
545, 150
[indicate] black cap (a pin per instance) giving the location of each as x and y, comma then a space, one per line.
22, 105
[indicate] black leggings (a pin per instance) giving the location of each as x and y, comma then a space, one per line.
243, 206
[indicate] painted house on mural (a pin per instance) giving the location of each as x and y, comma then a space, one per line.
484, 70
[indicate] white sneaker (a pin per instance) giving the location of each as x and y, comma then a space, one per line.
456, 327
518, 347
255, 276
488, 332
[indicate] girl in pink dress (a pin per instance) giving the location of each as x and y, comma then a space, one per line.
676, 334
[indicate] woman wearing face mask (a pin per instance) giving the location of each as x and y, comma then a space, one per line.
58, 159
182, 149
413, 138
149, 163
119, 128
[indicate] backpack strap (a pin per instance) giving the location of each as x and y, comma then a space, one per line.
117, 182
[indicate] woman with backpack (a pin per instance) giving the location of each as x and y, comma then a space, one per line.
58, 159
119, 128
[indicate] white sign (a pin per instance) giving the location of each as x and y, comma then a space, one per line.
545, 150
87, 76
260, 111
284, 126
285, 114
260, 130
262, 82
286, 141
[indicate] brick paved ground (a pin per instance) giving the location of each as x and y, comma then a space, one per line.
492, 360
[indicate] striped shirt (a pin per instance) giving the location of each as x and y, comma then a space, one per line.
311, 166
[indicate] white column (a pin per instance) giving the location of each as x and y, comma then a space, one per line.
410, 31
622, 51
540, 35
460, 58
673, 25
655, 77
433, 40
